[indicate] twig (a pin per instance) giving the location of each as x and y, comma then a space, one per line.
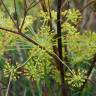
9, 30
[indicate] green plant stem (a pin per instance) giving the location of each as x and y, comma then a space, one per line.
17, 19
6, 94
88, 74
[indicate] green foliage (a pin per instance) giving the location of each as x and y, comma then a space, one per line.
68, 28
77, 79
44, 37
73, 16
78, 43
38, 64
28, 22
46, 15
11, 70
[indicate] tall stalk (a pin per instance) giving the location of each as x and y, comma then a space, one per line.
63, 86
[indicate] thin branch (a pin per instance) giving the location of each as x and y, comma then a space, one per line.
9, 30
25, 14
88, 74
64, 3
6, 94
26, 11
50, 21
17, 19
8, 12
43, 5
33, 4
91, 2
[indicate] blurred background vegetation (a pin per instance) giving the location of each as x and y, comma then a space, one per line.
30, 62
